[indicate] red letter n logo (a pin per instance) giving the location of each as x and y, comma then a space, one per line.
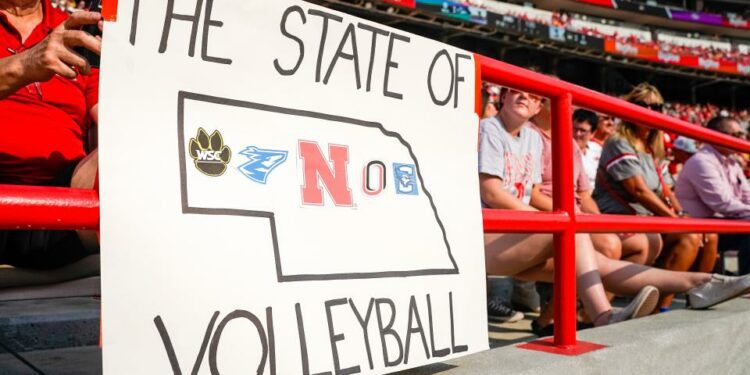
317, 169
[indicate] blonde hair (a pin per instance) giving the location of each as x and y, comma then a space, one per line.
627, 130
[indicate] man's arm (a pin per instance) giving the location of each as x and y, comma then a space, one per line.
676, 205
53, 55
588, 204
11, 75
494, 195
539, 200
745, 187
714, 191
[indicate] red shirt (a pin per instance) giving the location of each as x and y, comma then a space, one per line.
43, 125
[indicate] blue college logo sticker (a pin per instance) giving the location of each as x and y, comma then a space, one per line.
262, 162
405, 176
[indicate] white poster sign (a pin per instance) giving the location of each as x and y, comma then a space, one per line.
285, 189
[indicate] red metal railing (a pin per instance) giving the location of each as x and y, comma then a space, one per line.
24, 207
563, 222
34, 207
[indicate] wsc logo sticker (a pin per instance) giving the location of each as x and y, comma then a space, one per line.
262, 162
209, 153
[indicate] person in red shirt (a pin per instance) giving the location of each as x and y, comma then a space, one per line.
48, 103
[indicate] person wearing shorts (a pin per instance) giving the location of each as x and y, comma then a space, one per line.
509, 166
631, 182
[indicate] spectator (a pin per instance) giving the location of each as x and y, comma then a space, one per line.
637, 248
509, 166
490, 97
584, 125
632, 247
49, 93
630, 182
683, 149
604, 129
712, 184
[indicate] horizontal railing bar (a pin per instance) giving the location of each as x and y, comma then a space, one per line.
509, 75
53, 208
511, 221
655, 224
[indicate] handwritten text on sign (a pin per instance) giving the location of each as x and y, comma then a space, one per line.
309, 202
347, 47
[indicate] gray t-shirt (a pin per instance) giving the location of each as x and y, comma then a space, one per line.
516, 160
620, 161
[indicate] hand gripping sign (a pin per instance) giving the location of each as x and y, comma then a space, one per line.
285, 189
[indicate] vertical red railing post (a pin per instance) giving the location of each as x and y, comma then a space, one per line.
563, 201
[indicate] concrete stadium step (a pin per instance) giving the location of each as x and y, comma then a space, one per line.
86, 287
68, 361
41, 324
683, 341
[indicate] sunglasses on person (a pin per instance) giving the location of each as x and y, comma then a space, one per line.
737, 134
658, 107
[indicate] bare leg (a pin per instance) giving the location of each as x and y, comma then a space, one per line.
655, 247
635, 249
708, 254
627, 278
525, 255
84, 177
607, 244
680, 252
19, 277
512, 253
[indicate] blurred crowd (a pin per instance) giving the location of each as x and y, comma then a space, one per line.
625, 35
699, 114
69, 5
733, 55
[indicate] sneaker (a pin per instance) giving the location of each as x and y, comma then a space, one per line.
643, 304
525, 297
499, 311
721, 288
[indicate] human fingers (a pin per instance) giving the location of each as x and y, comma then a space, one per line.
82, 18
78, 38
74, 60
62, 69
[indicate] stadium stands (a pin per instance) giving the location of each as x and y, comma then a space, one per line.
605, 35
675, 11
659, 45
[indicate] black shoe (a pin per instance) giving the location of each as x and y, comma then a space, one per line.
500, 311
549, 329
540, 331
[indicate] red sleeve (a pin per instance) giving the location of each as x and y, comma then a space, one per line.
92, 88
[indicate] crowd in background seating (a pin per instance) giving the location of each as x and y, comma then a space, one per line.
700, 113
70, 5
621, 33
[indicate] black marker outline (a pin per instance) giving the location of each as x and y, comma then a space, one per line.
183, 96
